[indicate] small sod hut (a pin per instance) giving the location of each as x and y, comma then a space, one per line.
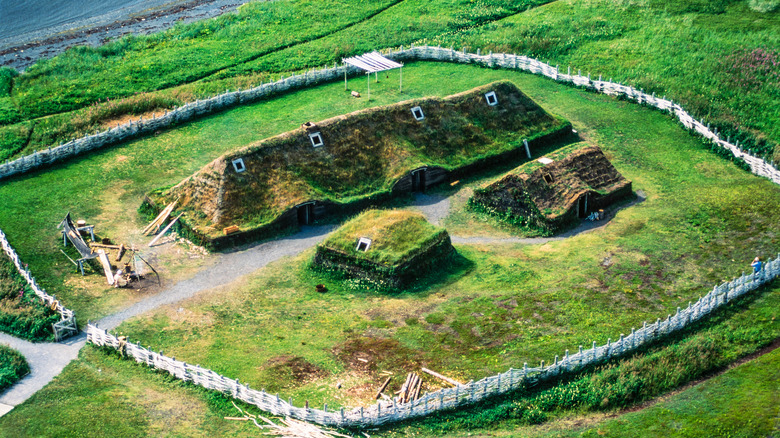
552, 194
389, 248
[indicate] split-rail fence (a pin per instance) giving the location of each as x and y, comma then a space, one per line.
66, 326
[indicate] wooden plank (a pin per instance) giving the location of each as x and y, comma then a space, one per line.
101, 245
162, 233
156, 219
155, 225
106, 266
452, 382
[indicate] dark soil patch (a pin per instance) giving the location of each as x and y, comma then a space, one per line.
369, 355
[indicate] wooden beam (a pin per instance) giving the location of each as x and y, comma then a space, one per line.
162, 233
121, 252
71, 260
155, 224
106, 266
101, 245
382, 388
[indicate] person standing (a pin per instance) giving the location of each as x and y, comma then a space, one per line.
756, 265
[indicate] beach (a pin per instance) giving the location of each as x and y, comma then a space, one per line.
37, 29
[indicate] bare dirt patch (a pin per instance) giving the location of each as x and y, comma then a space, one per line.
127, 118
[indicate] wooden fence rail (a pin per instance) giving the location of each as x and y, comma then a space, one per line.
67, 324
450, 398
229, 99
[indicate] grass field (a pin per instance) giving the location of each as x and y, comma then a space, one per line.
728, 73
503, 305
109, 184
499, 304
87, 395
740, 403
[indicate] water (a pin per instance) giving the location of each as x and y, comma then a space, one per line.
27, 20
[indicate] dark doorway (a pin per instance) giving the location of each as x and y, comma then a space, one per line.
306, 213
582, 206
418, 180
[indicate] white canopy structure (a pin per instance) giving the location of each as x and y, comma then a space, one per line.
373, 62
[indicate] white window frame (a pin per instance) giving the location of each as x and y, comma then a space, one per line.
361, 241
491, 96
316, 139
238, 165
415, 111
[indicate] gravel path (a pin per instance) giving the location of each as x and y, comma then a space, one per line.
434, 207
437, 207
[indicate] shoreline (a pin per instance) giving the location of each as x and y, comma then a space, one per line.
24, 50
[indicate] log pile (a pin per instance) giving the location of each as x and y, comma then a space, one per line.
410, 390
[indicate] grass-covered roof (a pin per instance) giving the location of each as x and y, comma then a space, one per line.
364, 153
396, 236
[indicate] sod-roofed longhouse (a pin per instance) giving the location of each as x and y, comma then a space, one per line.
388, 247
557, 194
362, 156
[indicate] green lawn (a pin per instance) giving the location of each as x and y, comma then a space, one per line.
743, 402
699, 225
92, 389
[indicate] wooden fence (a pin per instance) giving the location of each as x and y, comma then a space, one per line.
450, 398
67, 324
386, 412
233, 98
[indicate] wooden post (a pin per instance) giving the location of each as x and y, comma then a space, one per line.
368, 81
